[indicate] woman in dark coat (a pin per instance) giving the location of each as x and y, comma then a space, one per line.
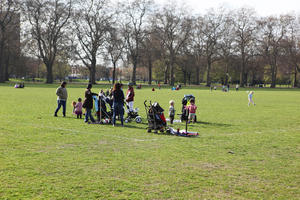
88, 103
118, 103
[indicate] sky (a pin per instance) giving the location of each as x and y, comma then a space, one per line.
262, 7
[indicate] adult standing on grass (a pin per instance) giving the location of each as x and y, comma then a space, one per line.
88, 103
118, 102
130, 97
62, 96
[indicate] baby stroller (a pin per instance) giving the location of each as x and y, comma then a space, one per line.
185, 102
102, 112
132, 115
155, 117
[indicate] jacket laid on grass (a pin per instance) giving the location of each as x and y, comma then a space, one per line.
62, 93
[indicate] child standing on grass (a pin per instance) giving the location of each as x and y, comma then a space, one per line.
250, 98
171, 111
78, 108
192, 108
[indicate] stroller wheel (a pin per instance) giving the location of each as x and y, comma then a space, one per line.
138, 119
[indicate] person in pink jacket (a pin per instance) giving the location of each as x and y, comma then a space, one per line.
192, 108
78, 108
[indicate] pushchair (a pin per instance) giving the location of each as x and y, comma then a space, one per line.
155, 117
185, 102
132, 115
102, 113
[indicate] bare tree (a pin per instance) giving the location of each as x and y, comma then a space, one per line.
291, 46
115, 49
134, 30
210, 26
48, 20
8, 15
91, 24
173, 30
226, 44
198, 44
273, 30
245, 27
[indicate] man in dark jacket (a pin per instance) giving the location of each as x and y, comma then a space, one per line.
88, 103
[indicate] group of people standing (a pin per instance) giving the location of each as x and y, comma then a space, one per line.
117, 95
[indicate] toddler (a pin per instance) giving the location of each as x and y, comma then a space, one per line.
192, 111
171, 111
78, 108
250, 98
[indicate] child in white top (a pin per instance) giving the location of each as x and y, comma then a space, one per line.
250, 98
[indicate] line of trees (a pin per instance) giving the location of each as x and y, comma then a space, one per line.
170, 43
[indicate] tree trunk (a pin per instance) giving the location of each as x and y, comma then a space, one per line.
208, 81
226, 74
1, 63
150, 71
274, 75
172, 80
114, 73
133, 78
49, 73
6, 74
166, 73
295, 84
242, 84
92, 75
93, 71
189, 78
184, 77
197, 75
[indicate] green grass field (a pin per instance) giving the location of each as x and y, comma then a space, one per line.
43, 157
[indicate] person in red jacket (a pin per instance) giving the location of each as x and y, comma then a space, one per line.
130, 97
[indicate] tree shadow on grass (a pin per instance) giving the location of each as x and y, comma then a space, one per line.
213, 124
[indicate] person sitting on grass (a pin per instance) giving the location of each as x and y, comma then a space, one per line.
78, 108
192, 108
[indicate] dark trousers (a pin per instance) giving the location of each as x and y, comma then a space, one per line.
171, 118
118, 110
59, 104
88, 115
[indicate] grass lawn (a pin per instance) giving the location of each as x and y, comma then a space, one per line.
43, 157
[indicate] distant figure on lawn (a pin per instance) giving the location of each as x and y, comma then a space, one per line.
88, 103
62, 96
118, 103
237, 87
250, 98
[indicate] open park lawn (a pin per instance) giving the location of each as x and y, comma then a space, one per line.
241, 152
